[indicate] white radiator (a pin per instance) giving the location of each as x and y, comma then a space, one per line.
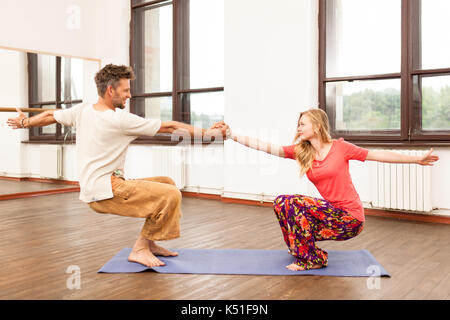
170, 162
402, 186
51, 160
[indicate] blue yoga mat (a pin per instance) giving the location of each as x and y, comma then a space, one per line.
354, 263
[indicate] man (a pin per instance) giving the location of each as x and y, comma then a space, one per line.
103, 133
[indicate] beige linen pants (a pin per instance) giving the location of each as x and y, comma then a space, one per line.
156, 199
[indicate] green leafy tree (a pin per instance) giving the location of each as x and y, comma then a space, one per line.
372, 110
380, 110
436, 108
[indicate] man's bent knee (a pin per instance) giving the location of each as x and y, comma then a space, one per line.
174, 194
168, 180
96, 207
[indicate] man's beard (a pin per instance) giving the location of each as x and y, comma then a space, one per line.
118, 104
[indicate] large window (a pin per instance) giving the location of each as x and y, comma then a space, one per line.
384, 70
177, 54
54, 83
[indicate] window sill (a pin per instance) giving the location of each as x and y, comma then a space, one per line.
166, 139
49, 142
162, 139
399, 144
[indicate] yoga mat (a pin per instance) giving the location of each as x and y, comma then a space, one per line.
353, 263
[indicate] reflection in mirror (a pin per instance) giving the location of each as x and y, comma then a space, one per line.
56, 83
40, 81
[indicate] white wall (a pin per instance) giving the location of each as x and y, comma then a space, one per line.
270, 77
85, 28
440, 178
13, 93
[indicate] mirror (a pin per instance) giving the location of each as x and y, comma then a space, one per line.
40, 161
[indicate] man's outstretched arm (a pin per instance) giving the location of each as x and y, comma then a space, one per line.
174, 126
41, 120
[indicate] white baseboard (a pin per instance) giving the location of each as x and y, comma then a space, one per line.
204, 190
14, 175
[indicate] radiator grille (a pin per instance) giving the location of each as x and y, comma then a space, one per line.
402, 186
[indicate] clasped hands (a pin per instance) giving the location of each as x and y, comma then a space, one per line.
219, 128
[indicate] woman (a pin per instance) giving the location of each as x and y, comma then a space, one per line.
340, 215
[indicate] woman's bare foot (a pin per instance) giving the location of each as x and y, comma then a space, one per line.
296, 267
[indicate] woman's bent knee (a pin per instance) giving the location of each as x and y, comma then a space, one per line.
279, 200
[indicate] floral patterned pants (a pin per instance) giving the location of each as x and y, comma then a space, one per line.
305, 220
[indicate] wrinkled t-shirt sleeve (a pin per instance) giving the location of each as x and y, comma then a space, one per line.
353, 152
67, 117
134, 125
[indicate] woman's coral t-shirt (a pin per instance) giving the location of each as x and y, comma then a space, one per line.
331, 176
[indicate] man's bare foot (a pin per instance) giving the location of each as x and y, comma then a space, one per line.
160, 251
145, 256
296, 267
145, 252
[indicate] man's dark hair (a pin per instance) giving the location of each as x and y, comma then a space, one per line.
111, 75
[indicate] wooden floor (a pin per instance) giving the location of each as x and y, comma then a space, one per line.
41, 237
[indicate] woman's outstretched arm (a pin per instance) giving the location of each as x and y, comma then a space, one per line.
251, 142
258, 145
392, 157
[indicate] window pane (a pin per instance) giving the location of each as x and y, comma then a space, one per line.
154, 108
71, 79
206, 44
153, 49
46, 78
363, 37
436, 103
206, 108
435, 46
365, 105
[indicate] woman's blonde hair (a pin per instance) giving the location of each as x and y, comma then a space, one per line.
304, 151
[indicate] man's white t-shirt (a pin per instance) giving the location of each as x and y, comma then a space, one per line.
102, 139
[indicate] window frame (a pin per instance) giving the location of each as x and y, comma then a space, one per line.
410, 121
180, 66
34, 103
